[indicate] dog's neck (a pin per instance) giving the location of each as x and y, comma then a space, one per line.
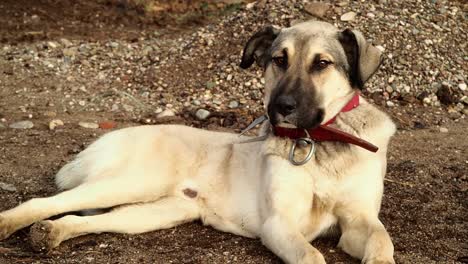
336, 107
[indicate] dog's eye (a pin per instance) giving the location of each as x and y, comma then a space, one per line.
280, 61
322, 64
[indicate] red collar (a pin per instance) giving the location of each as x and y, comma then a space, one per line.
326, 133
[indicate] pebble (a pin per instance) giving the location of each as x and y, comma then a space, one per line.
462, 86
317, 9
233, 104
52, 44
55, 123
349, 16
202, 114
88, 125
107, 125
22, 125
66, 42
166, 113
390, 104
7, 187
443, 130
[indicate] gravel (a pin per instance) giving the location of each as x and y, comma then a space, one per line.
424, 61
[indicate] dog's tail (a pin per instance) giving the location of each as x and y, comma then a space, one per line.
99, 160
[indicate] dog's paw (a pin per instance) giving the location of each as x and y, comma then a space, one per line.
6, 228
44, 236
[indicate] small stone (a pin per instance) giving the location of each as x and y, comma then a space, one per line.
349, 16
443, 130
233, 104
210, 84
88, 125
166, 113
147, 50
390, 104
317, 9
7, 187
462, 86
55, 123
196, 102
52, 44
22, 125
229, 77
65, 42
107, 125
391, 79
50, 114
370, 15
69, 52
202, 114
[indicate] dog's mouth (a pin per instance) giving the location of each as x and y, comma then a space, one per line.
311, 120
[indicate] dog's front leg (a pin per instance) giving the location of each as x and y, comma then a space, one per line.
365, 237
279, 235
287, 199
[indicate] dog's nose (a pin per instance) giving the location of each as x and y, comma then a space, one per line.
286, 105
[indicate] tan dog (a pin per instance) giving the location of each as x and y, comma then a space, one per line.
156, 177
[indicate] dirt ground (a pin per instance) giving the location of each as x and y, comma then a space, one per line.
424, 206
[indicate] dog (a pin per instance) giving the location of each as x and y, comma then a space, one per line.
286, 191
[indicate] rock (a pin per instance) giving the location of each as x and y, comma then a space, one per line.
390, 104
7, 187
370, 15
445, 95
210, 84
107, 125
443, 130
55, 123
202, 114
89, 125
69, 52
66, 42
22, 125
166, 113
52, 44
229, 77
233, 104
147, 50
349, 16
317, 9
462, 86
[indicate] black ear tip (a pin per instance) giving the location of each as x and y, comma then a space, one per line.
247, 59
245, 64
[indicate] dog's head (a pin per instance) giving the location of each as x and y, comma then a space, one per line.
309, 67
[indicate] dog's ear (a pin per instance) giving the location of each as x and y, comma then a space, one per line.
257, 47
363, 58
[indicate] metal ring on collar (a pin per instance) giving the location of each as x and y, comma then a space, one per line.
308, 141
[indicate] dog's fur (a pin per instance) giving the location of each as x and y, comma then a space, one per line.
155, 177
